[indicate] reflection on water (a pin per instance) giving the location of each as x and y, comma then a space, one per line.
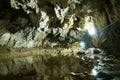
61, 64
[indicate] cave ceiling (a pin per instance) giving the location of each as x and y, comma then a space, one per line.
63, 23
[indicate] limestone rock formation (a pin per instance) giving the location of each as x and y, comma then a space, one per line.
65, 19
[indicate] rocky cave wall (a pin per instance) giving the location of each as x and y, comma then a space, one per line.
49, 23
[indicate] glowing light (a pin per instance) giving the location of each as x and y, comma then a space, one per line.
92, 31
82, 44
89, 25
94, 72
73, 73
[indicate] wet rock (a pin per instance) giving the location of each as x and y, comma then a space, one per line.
4, 39
96, 51
25, 4
78, 76
80, 53
104, 76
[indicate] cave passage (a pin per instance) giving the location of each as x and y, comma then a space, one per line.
59, 40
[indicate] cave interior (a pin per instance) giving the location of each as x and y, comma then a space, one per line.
59, 40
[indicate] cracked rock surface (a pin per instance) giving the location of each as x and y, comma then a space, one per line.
44, 23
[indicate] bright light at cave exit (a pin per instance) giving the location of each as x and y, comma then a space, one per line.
82, 44
89, 25
91, 30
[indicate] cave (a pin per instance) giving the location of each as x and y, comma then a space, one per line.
59, 40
